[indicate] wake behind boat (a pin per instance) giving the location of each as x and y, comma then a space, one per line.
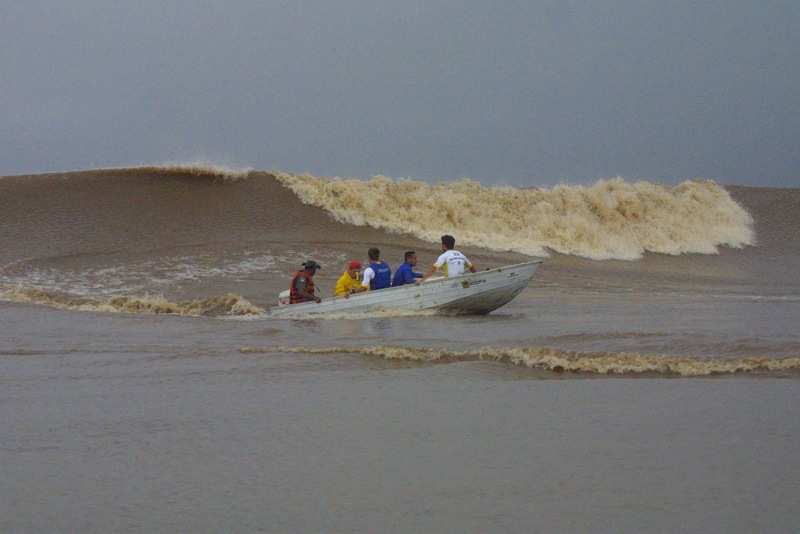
469, 294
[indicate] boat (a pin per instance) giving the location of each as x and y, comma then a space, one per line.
469, 294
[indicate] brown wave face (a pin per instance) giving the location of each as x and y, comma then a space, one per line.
777, 216
142, 210
174, 233
189, 234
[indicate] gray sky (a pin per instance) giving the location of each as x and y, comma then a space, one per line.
512, 93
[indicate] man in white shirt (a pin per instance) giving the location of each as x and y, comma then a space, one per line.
452, 262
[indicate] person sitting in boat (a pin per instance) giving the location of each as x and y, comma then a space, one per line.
452, 262
405, 274
377, 276
349, 280
301, 288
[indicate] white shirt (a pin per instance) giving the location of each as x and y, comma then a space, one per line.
366, 276
369, 274
453, 263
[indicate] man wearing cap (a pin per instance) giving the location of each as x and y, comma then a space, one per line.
349, 279
301, 288
405, 274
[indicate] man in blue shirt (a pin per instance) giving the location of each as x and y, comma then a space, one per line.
404, 274
377, 276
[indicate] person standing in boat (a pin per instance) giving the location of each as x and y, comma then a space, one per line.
349, 280
301, 288
405, 274
377, 276
452, 262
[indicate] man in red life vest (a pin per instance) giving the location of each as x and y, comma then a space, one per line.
301, 288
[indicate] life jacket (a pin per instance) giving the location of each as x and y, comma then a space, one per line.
294, 296
383, 276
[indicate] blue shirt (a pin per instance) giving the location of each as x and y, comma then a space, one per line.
404, 275
381, 277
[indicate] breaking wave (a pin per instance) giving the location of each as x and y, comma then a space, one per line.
228, 305
609, 220
560, 361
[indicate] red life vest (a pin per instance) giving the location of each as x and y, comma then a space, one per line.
294, 296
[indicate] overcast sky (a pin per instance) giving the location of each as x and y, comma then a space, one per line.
511, 93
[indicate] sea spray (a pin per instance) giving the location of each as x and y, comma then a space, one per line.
612, 219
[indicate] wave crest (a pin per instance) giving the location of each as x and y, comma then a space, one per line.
228, 305
560, 361
177, 169
612, 219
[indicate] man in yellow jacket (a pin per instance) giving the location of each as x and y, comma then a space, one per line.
349, 280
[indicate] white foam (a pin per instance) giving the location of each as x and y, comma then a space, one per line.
609, 220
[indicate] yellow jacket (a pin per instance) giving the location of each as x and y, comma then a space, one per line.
346, 283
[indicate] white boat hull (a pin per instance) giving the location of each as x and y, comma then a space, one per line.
469, 294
